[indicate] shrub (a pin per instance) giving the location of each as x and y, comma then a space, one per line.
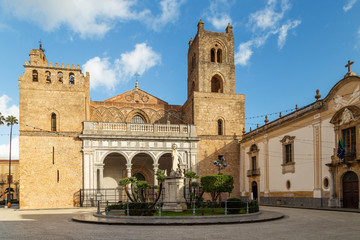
140, 209
235, 205
216, 184
253, 207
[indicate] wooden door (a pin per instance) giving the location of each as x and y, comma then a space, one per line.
350, 190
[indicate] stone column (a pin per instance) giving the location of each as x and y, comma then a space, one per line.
86, 170
128, 170
156, 168
332, 200
317, 158
266, 167
101, 176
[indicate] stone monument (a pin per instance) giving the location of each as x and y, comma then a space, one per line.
174, 185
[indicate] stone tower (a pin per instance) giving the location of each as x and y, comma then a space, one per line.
54, 101
212, 104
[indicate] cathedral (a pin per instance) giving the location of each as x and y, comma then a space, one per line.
69, 143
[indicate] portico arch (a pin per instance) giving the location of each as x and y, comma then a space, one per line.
165, 162
142, 163
114, 170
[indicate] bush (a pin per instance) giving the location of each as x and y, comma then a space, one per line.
235, 205
140, 209
117, 206
253, 207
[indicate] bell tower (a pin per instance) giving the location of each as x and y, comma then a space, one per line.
212, 105
211, 65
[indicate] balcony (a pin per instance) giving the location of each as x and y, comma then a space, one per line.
137, 129
253, 172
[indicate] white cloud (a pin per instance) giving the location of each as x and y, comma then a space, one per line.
4, 149
101, 73
170, 12
6, 110
244, 53
217, 15
89, 18
349, 5
265, 23
106, 74
283, 30
137, 61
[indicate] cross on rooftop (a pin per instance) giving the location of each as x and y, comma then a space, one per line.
136, 77
349, 66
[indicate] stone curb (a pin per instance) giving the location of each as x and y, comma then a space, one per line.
181, 220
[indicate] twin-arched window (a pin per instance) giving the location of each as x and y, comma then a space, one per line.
216, 55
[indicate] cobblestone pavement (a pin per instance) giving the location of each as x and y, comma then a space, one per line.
298, 224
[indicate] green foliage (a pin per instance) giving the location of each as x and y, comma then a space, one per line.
216, 184
142, 185
139, 190
160, 175
117, 206
235, 205
140, 209
253, 207
191, 175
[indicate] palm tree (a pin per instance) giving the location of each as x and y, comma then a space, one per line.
10, 121
2, 119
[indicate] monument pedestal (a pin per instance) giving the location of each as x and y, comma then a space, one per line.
174, 194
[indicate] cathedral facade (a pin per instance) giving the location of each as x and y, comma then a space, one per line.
68, 142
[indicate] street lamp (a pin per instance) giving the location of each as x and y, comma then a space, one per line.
220, 163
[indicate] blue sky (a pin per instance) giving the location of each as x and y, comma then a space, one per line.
284, 49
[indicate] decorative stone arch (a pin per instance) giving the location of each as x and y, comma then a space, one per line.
134, 153
346, 115
103, 156
139, 112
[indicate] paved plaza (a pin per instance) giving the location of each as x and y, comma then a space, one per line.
297, 224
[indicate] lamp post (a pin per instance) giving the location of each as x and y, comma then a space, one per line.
220, 163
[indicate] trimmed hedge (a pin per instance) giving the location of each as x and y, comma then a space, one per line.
217, 183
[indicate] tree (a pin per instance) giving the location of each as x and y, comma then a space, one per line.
10, 121
216, 184
193, 188
139, 190
2, 119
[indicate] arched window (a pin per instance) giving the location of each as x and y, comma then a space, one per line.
60, 76
35, 76
220, 127
253, 148
193, 86
53, 122
71, 78
48, 76
137, 119
212, 54
219, 56
139, 176
216, 84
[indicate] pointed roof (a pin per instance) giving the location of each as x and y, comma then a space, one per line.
136, 95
